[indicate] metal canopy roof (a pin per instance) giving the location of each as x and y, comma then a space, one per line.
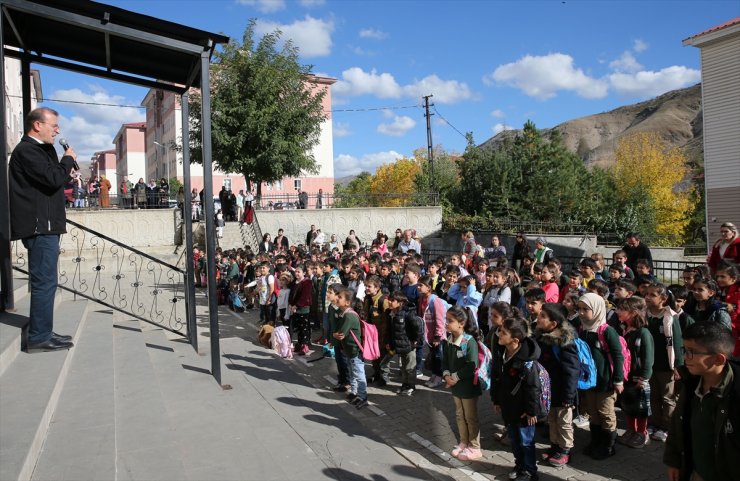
106, 41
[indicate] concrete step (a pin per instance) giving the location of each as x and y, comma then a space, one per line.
145, 440
13, 324
29, 392
85, 412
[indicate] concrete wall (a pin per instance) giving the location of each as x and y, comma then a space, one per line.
143, 229
366, 222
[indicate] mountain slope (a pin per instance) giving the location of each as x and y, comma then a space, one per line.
675, 115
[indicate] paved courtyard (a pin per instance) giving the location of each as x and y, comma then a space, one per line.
422, 427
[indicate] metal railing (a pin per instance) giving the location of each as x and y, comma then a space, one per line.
120, 277
293, 201
458, 223
666, 271
111, 201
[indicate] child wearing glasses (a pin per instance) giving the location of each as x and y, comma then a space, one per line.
704, 438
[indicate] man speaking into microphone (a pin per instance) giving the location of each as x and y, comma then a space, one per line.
37, 218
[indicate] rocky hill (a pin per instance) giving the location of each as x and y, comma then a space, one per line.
675, 115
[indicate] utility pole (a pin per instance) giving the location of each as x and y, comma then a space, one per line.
430, 145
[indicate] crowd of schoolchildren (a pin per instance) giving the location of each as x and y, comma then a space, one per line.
554, 348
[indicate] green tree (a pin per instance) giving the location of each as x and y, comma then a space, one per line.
355, 194
445, 173
266, 111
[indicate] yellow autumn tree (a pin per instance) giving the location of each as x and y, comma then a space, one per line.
393, 184
646, 166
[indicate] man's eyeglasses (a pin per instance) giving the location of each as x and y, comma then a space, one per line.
690, 353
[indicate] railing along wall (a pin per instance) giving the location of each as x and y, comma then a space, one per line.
120, 277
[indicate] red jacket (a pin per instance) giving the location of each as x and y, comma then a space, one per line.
300, 296
733, 297
731, 254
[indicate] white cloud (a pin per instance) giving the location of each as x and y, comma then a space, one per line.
373, 33
444, 91
626, 63
361, 51
311, 35
264, 6
498, 113
90, 128
500, 128
639, 46
398, 128
346, 164
648, 83
544, 76
341, 129
355, 81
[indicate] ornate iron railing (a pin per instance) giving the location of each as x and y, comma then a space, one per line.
120, 277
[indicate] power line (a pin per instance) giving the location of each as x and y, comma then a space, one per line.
448, 122
101, 104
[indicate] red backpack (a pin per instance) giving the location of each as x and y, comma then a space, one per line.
627, 363
369, 346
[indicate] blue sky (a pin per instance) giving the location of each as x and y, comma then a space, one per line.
490, 65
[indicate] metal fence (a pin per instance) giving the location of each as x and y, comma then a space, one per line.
336, 200
149, 201
667, 272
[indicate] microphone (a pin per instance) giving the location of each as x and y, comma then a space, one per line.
65, 146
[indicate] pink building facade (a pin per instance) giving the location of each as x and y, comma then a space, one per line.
164, 132
130, 152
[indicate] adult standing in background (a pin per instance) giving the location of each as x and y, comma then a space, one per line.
542, 253
37, 217
495, 252
240, 205
397, 239
408, 243
726, 248
104, 192
636, 250
310, 235
281, 242
320, 199
352, 242
302, 199
521, 250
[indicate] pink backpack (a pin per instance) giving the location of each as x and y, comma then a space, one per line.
369, 346
627, 363
282, 343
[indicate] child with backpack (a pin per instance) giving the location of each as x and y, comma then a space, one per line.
518, 392
459, 364
662, 322
608, 355
404, 335
559, 356
433, 310
374, 311
343, 374
635, 399
349, 334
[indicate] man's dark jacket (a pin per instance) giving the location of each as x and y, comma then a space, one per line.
37, 180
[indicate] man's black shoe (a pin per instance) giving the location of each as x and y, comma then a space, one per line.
50, 345
61, 337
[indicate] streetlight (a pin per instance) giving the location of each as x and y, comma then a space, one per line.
167, 150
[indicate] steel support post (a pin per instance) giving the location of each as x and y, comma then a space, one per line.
205, 118
187, 209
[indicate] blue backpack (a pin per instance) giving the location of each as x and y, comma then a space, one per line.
483, 370
587, 377
235, 302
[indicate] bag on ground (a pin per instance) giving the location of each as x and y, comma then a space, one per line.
281, 342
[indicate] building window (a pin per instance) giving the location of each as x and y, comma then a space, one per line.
227, 184
278, 185
297, 184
